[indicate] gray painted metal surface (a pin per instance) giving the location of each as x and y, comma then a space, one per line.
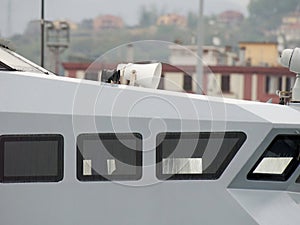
33, 103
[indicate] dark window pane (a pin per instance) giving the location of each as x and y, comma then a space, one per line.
225, 83
288, 84
195, 155
279, 161
109, 157
279, 87
267, 84
31, 158
4, 67
187, 82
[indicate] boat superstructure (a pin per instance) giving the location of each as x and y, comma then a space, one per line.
83, 152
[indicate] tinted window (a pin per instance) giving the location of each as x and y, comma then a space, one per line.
195, 155
109, 157
279, 161
4, 67
31, 158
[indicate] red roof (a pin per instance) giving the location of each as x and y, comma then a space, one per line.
191, 69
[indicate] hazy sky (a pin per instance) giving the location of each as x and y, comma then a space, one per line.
23, 11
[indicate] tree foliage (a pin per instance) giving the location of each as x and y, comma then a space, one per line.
268, 13
148, 16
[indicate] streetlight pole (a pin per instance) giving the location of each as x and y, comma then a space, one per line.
200, 37
42, 32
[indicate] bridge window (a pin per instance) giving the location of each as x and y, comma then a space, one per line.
31, 158
195, 155
104, 157
279, 161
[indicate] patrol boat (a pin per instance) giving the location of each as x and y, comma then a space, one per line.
79, 152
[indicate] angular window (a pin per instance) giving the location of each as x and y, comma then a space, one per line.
102, 157
31, 158
195, 155
4, 67
279, 161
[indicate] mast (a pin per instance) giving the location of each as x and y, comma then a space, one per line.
200, 36
42, 32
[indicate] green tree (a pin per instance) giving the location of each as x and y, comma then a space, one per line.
148, 16
192, 19
268, 13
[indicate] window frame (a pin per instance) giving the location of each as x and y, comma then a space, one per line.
204, 135
105, 136
33, 138
285, 175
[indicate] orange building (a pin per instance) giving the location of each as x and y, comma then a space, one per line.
260, 53
107, 22
230, 17
172, 19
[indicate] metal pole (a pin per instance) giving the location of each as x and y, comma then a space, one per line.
200, 37
42, 32
9, 24
56, 56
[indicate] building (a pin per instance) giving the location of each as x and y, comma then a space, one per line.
260, 53
212, 55
290, 27
239, 82
172, 19
184, 56
107, 22
223, 73
230, 17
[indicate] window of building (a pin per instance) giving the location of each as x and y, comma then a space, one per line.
195, 155
272, 84
31, 158
104, 157
289, 83
225, 83
279, 161
187, 82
